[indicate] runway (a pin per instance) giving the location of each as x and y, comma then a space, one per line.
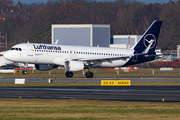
133, 79
115, 93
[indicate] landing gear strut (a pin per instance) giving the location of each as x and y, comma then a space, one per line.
69, 74
89, 74
24, 72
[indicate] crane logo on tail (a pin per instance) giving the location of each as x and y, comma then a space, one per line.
148, 39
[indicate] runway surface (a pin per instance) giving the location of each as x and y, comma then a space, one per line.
134, 79
116, 93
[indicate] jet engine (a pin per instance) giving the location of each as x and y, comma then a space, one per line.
74, 66
44, 67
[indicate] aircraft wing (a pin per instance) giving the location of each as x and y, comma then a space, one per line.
105, 59
113, 58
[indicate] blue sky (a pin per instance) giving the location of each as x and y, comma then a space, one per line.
44, 1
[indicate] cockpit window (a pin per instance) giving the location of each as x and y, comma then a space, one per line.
17, 49
12, 48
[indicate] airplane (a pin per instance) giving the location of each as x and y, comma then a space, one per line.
76, 58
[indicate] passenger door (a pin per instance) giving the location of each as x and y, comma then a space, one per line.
30, 50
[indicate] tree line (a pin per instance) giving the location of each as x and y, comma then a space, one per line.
32, 22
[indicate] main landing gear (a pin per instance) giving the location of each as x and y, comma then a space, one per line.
89, 74
70, 74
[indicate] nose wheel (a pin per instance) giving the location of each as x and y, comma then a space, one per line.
24, 72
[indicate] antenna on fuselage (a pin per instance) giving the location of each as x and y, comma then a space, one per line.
56, 42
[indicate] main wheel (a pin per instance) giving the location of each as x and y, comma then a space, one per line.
69, 74
89, 75
24, 72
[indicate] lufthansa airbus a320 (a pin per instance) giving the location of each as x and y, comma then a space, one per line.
77, 58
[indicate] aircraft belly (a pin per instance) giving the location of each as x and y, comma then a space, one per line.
117, 63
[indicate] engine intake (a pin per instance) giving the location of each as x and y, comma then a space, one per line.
74, 66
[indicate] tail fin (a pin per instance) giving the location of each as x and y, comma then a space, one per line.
149, 40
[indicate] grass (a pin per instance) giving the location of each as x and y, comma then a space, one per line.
70, 109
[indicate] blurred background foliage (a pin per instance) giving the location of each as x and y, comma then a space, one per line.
32, 22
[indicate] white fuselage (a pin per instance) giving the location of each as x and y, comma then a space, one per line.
57, 54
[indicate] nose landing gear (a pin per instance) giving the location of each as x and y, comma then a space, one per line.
24, 72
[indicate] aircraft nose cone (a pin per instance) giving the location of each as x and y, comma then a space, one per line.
7, 56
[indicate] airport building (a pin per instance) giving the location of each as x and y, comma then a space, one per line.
124, 41
81, 34
170, 55
91, 35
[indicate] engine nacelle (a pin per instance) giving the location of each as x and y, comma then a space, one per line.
74, 66
44, 67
